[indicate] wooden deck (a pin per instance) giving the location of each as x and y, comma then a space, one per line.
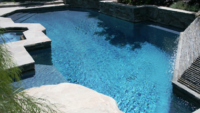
191, 77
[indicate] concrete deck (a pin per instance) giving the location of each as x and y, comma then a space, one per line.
20, 56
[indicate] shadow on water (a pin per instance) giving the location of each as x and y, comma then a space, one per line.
42, 56
120, 33
177, 105
44, 74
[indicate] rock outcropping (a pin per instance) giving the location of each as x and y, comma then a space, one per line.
73, 98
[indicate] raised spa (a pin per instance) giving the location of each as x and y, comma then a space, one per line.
10, 36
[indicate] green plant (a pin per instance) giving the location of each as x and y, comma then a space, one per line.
13, 99
140, 2
184, 6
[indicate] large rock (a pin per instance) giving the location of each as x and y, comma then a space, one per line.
73, 98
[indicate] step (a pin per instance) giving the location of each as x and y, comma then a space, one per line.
191, 77
20, 15
189, 85
20, 20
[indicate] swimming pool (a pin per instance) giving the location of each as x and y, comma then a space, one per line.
133, 63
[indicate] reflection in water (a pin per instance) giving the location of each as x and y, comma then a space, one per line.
42, 57
124, 33
45, 72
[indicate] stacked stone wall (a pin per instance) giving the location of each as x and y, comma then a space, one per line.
164, 15
83, 3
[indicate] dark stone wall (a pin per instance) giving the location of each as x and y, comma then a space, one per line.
116, 10
181, 19
94, 4
164, 15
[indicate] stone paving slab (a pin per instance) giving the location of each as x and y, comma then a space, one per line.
29, 26
4, 21
34, 35
20, 56
35, 40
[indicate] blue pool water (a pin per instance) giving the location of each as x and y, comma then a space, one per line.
10, 37
133, 63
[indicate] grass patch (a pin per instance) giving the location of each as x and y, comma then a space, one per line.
182, 5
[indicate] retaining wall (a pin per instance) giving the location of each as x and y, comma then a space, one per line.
83, 3
164, 15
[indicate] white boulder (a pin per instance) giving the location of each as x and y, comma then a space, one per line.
73, 98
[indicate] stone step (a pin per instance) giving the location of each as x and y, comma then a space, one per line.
20, 20
189, 85
191, 77
20, 15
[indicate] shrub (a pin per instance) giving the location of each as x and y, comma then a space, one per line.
190, 5
141, 2
192, 2
185, 6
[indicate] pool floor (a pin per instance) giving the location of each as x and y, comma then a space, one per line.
133, 63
